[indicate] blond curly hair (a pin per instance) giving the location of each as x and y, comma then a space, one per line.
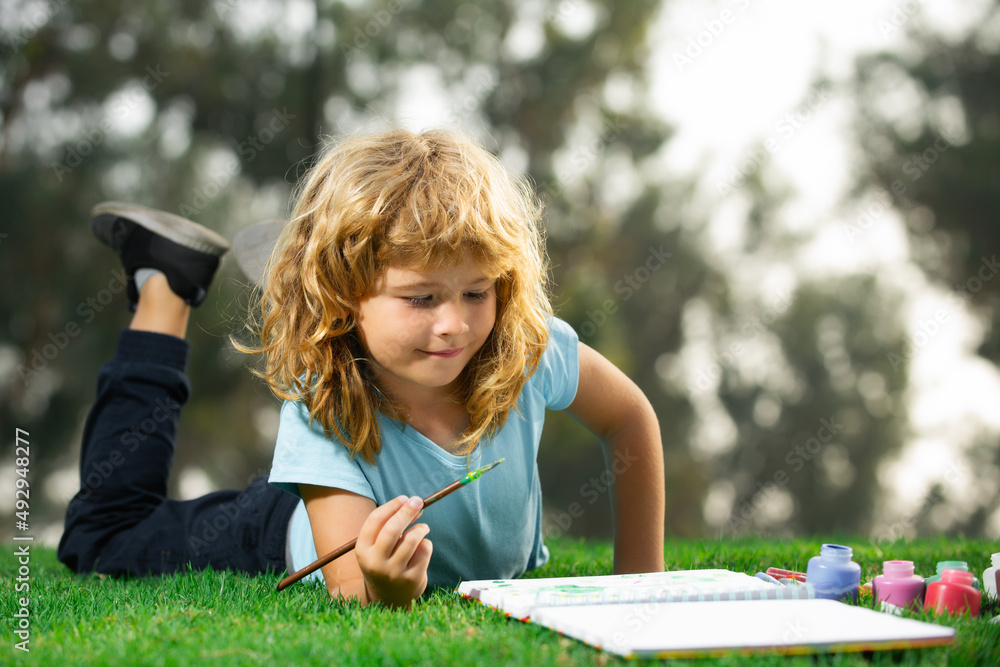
419, 201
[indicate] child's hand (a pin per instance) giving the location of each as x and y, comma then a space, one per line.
394, 563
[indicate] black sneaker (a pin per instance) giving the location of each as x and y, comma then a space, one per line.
187, 253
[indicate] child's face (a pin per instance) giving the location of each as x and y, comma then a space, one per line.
421, 328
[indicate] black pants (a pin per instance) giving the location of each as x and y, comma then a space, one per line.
121, 521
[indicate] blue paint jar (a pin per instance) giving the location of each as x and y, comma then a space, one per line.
833, 575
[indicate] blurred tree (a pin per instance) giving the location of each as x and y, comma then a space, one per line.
212, 110
813, 432
928, 124
114, 101
791, 380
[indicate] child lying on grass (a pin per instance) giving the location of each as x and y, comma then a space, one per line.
404, 321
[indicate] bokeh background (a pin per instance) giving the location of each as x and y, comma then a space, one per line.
780, 219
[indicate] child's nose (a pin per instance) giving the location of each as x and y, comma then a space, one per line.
451, 320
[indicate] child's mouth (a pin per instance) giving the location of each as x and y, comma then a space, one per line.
445, 354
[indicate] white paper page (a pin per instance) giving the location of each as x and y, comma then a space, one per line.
783, 626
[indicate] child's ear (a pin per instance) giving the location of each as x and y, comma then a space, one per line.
345, 310
356, 343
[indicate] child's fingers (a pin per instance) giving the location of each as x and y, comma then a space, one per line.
407, 546
421, 558
373, 525
395, 563
388, 537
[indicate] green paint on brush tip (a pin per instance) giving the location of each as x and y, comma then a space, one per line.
476, 474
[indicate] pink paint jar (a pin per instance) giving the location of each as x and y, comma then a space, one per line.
898, 585
954, 594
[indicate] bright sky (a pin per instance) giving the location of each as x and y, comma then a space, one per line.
727, 74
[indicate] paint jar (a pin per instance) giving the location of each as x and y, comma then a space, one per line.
950, 565
991, 578
784, 576
832, 574
898, 586
954, 594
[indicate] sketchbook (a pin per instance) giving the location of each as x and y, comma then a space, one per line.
518, 597
699, 612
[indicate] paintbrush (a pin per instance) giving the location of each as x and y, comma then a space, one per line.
343, 549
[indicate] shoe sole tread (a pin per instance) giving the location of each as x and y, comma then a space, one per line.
173, 227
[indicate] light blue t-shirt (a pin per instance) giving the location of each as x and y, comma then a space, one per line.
490, 529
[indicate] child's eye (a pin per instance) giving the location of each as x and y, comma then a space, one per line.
428, 301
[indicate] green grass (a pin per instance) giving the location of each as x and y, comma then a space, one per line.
221, 618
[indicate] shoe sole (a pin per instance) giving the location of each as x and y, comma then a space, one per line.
252, 247
173, 227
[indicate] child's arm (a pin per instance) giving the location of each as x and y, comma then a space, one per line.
383, 566
615, 409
